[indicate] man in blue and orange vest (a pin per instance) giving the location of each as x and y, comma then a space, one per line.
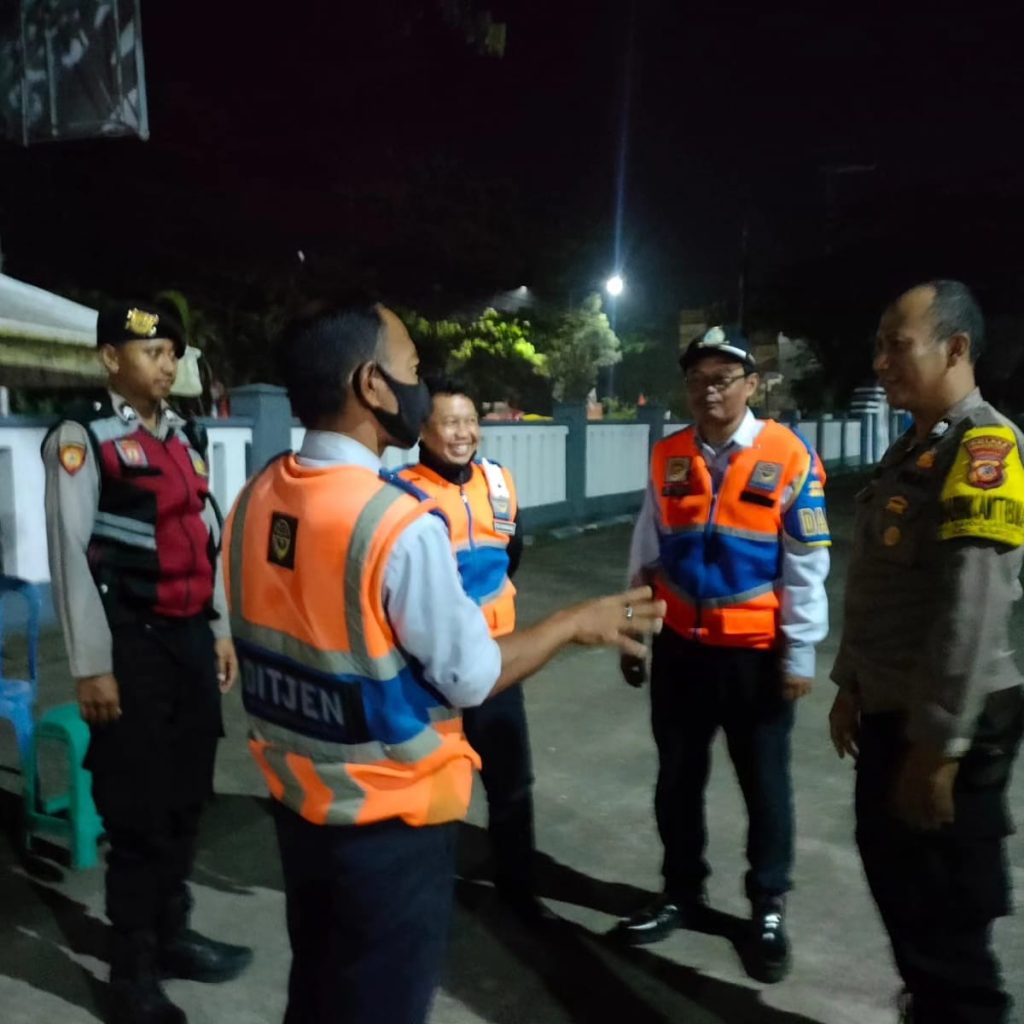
132, 534
478, 498
358, 647
734, 537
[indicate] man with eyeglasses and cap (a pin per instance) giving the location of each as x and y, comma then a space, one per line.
733, 536
132, 536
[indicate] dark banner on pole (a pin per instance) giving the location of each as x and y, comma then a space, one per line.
71, 69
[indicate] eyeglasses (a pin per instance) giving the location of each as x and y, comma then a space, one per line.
698, 382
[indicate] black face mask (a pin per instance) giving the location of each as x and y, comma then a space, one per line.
404, 426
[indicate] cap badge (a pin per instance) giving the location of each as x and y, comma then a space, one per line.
141, 323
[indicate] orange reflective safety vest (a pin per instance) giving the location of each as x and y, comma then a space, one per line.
481, 516
342, 723
720, 552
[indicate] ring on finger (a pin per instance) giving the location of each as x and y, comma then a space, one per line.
629, 613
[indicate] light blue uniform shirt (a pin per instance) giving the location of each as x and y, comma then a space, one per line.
434, 619
803, 615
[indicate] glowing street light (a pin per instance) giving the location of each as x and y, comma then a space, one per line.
615, 285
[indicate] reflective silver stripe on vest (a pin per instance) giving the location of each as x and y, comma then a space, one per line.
442, 713
356, 662
111, 428
409, 751
359, 545
729, 601
686, 528
347, 796
125, 530
736, 531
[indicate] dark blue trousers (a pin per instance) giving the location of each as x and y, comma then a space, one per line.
368, 914
939, 892
497, 731
695, 690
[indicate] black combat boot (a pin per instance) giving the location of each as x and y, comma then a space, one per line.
136, 996
184, 953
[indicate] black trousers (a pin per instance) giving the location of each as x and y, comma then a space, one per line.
369, 909
498, 732
153, 768
939, 892
695, 690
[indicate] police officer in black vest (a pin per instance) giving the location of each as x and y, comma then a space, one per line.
133, 536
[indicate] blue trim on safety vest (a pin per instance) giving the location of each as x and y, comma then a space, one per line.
712, 565
483, 570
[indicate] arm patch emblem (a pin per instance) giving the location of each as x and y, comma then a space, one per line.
983, 495
72, 457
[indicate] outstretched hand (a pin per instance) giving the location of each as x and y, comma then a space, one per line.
619, 620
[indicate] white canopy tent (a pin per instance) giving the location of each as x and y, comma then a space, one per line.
49, 341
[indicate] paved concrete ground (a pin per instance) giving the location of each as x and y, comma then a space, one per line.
595, 765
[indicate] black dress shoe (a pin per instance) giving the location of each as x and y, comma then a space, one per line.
196, 958
769, 952
141, 1001
135, 995
660, 918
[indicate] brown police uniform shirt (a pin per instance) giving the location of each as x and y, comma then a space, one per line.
933, 575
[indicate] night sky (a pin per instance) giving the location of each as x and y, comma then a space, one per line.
395, 156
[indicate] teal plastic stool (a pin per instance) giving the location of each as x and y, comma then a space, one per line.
72, 814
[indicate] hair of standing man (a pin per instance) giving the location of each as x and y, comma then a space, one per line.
321, 348
955, 310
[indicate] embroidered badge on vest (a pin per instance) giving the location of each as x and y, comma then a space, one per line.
677, 476
198, 463
283, 533
131, 452
72, 457
988, 460
766, 476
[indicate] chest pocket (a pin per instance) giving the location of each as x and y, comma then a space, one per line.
892, 522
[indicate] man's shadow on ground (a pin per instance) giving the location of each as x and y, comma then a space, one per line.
589, 976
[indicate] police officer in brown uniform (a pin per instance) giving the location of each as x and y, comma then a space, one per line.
930, 700
133, 535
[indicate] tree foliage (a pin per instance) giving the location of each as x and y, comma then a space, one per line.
492, 353
582, 342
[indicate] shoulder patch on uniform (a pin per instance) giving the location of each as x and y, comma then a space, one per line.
284, 531
72, 457
983, 495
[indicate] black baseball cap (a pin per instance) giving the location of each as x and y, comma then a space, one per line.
719, 341
138, 321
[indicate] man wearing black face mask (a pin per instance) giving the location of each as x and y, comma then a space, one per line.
358, 647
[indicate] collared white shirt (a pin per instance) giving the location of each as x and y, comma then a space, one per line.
434, 619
